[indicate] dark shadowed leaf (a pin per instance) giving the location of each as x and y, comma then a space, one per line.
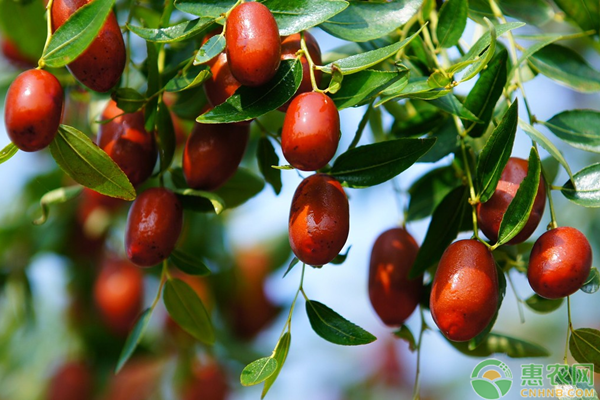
376, 163
181, 31
452, 22
358, 89
587, 182
298, 15
200, 200
266, 157
451, 104
497, 343
291, 266
186, 308
129, 100
579, 128
209, 50
340, 258
251, 102
89, 165
520, 207
76, 34
496, 153
584, 345
334, 328
134, 338
243, 186
585, 13
592, 283
567, 67
258, 371
281, 352
405, 334
543, 305
165, 136
429, 190
443, 229
56, 196
189, 263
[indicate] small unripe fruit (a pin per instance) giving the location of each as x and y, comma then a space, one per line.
118, 293
319, 220
464, 295
127, 142
212, 154
289, 47
153, 226
311, 131
560, 262
253, 44
490, 213
100, 66
33, 109
393, 295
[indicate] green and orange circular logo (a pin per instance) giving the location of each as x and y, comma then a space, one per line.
491, 379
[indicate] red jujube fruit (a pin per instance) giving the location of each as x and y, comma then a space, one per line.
127, 142
71, 381
253, 44
153, 226
100, 66
319, 220
560, 262
212, 154
222, 84
393, 295
311, 131
33, 109
464, 295
490, 213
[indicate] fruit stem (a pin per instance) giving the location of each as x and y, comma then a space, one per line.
569, 329
519, 300
417, 385
311, 64
163, 276
288, 323
41, 63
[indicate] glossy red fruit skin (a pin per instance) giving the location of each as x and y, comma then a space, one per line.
319, 220
464, 295
118, 293
72, 381
311, 131
126, 141
153, 226
253, 44
33, 109
560, 262
289, 47
393, 295
100, 66
212, 154
490, 213
222, 84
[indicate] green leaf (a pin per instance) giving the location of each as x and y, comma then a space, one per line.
360, 88
243, 186
497, 343
258, 371
56, 196
533, 12
129, 100
584, 345
566, 67
340, 258
417, 88
165, 136
248, 103
592, 283
209, 50
443, 229
452, 105
364, 21
482, 61
335, 84
587, 182
153, 73
291, 266
189, 263
186, 308
543, 305
520, 207
175, 33
446, 141
496, 153
429, 190
191, 77
405, 334
362, 61
579, 128
89, 165
134, 338
7, 152
266, 157
334, 328
485, 40
76, 34
482, 99
280, 355
546, 144
298, 15
24, 23
585, 13
376, 163
217, 203
205, 8
452, 22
